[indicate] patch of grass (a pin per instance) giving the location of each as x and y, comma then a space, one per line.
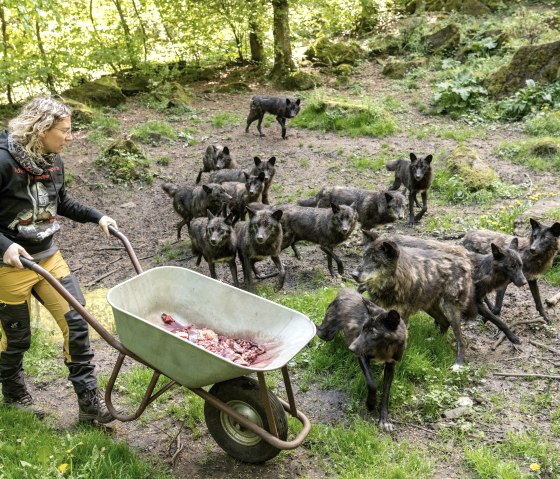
363, 162
449, 223
505, 218
187, 134
226, 118
44, 360
170, 252
30, 448
540, 154
360, 450
346, 117
552, 276
153, 131
545, 123
163, 160
126, 167
103, 129
462, 133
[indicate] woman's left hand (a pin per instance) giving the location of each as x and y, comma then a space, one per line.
105, 222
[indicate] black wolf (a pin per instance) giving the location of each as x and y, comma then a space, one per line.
326, 227
258, 238
537, 253
214, 239
194, 201
217, 157
370, 333
413, 279
280, 106
269, 170
416, 176
490, 272
244, 193
373, 207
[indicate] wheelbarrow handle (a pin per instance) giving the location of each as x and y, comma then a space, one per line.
132, 255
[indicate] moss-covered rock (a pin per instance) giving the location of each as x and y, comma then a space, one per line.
384, 45
325, 52
445, 40
233, 87
488, 42
101, 92
465, 163
468, 7
173, 95
126, 162
132, 83
301, 80
399, 69
540, 63
81, 114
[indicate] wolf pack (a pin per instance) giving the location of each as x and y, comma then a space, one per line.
230, 218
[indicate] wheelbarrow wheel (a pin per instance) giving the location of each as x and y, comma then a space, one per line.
243, 395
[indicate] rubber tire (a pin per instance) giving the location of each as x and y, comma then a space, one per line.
244, 394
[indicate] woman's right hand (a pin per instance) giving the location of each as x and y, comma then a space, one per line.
12, 254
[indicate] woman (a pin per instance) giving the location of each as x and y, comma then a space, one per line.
32, 194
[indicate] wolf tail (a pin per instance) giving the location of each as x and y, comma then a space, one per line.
311, 201
169, 189
393, 165
198, 178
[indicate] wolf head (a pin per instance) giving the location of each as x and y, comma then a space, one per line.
344, 218
218, 229
254, 185
379, 260
420, 167
266, 167
264, 225
292, 107
508, 262
223, 158
395, 204
216, 193
543, 238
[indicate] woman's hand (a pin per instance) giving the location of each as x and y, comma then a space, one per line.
105, 222
12, 254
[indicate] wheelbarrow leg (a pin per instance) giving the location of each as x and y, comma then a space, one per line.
266, 403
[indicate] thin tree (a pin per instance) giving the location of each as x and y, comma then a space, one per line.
96, 33
142, 29
127, 35
49, 80
5, 53
255, 32
283, 62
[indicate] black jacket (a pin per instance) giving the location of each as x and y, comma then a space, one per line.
29, 205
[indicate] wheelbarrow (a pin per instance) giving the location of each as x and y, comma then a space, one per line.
243, 416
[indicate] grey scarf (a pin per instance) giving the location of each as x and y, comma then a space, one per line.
34, 164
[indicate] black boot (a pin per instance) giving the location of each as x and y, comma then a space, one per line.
93, 407
24, 403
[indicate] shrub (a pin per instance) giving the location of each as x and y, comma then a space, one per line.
545, 123
528, 100
541, 154
153, 132
459, 95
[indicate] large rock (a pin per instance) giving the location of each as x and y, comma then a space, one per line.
384, 45
465, 163
301, 80
328, 53
468, 7
445, 40
398, 69
132, 83
81, 114
540, 63
101, 92
173, 94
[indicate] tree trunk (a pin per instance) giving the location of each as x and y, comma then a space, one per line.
283, 62
5, 59
96, 33
368, 16
142, 29
255, 33
49, 81
127, 35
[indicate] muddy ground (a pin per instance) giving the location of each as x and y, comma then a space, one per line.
306, 160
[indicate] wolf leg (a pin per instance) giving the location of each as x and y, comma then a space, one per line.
233, 271
424, 206
282, 122
281, 272
388, 375
259, 125
537, 297
330, 256
396, 184
180, 227
410, 208
371, 400
487, 314
296, 250
212, 269
251, 118
499, 301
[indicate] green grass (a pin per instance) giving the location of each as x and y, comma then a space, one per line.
552, 276
153, 131
32, 449
539, 154
543, 124
225, 118
346, 117
364, 162
103, 129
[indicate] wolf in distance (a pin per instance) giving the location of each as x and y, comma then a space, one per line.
280, 106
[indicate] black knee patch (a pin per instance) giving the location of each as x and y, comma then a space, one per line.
16, 326
71, 284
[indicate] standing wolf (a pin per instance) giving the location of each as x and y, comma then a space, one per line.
280, 106
537, 253
370, 333
416, 176
413, 279
373, 207
217, 157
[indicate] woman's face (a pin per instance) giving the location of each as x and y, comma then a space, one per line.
56, 137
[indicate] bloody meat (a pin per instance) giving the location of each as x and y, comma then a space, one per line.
239, 351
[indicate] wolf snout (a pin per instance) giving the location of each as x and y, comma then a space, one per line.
520, 280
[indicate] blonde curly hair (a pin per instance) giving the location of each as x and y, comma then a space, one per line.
36, 117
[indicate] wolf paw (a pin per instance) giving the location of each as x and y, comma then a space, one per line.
457, 367
385, 425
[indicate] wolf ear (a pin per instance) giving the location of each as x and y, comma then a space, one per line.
369, 235
429, 158
250, 211
288, 101
298, 101
392, 320
272, 160
198, 177
246, 175
335, 207
534, 223
277, 215
354, 206
413, 157
514, 244
257, 160
209, 214
226, 150
391, 249
261, 176
388, 197
207, 189
496, 251
555, 229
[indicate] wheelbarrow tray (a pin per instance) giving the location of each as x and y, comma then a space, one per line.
192, 298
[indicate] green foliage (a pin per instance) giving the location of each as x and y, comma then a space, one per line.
44, 360
226, 118
31, 449
153, 131
540, 154
163, 160
545, 123
531, 99
552, 276
504, 219
344, 116
126, 166
459, 95
362, 162
103, 129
